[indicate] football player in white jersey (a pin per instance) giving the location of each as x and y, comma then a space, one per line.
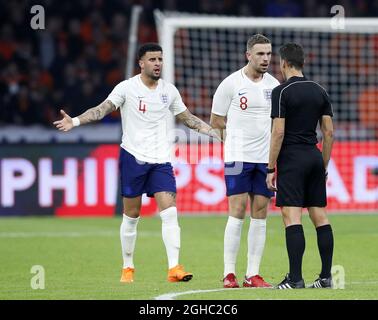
145, 101
241, 109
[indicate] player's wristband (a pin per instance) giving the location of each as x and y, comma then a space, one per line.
76, 121
270, 170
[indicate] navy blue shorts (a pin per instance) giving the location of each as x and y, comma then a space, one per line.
142, 177
250, 178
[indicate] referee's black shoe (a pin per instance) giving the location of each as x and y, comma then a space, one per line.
289, 284
322, 283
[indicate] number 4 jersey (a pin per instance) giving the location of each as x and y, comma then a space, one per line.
144, 114
247, 105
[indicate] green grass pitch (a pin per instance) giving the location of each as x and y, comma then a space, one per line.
82, 259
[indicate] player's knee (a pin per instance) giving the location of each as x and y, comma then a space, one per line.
133, 212
319, 221
259, 213
165, 200
318, 217
290, 221
165, 205
238, 211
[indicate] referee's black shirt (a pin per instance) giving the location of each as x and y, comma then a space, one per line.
302, 103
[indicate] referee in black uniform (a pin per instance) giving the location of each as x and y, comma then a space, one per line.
297, 106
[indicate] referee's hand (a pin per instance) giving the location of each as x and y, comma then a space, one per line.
271, 181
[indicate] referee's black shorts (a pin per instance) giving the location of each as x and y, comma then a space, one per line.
300, 177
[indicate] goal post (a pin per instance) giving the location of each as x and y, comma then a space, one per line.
201, 50
168, 23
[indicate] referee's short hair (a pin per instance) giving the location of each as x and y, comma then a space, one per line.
148, 47
293, 54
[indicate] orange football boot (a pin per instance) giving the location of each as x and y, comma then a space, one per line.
177, 274
127, 275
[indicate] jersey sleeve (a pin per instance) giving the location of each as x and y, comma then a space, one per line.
118, 95
177, 106
327, 111
278, 103
222, 98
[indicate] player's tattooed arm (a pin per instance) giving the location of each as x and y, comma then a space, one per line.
97, 113
92, 114
192, 122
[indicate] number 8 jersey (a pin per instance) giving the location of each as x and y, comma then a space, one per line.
247, 105
144, 114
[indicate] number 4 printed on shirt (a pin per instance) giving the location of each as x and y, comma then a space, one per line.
142, 106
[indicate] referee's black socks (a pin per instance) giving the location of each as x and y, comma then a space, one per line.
325, 245
295, 244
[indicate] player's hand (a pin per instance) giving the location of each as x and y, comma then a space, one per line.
215, 134
65, 124
271, 181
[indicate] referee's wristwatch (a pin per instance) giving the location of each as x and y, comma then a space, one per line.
268, 170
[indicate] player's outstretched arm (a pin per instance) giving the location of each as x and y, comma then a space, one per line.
92, 114
192, 122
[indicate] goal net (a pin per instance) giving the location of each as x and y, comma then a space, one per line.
200, 51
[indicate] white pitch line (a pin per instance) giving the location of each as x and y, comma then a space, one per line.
71, 234
173, 295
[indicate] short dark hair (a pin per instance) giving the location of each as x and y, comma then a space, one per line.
293, 54
148, 47
255, 39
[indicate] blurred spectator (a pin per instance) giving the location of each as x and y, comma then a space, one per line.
81, 55
368, 110
283, 8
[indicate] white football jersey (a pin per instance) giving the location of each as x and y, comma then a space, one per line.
247, 105
144, 114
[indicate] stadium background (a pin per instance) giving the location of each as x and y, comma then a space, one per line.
81, 55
